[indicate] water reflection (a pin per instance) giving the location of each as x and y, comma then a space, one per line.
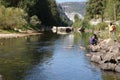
46, 57
65, 63
19, 55
111, 76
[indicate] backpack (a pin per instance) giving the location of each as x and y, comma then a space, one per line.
113, 28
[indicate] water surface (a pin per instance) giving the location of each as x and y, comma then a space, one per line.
48, 57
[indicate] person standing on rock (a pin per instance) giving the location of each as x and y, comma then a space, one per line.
112, 29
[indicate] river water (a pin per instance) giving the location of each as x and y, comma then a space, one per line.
49, 57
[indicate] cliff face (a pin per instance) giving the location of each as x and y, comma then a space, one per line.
63, 15
72, 8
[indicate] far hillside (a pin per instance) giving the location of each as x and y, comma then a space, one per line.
78, 7
72, 8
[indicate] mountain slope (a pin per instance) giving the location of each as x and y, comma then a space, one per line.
72, 8
63, 16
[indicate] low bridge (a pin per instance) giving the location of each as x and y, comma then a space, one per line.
62, 29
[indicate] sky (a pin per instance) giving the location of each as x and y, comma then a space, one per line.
60, 1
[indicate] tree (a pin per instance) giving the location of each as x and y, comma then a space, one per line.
95, 8
77, 22
45, 10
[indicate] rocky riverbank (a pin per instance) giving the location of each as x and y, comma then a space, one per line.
106, 54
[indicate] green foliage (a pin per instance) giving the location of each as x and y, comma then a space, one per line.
117, 33
101, 26
109, 10
86, 23
78, 21
112, 10
45, 10
24, 4
95, 8
104, 9
104, 34
11, 18
34, 21
66, 21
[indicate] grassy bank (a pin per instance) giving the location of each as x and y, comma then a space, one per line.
101, 29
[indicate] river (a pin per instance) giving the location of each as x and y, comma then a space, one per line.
49, 57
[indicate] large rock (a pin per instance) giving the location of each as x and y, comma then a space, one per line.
94, 48
105, 44
118, 59
108, 66
109, 42
114, 49
117, 68
107, 54
96, 58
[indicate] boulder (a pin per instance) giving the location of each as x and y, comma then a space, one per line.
94, 48
108, 66
118, 59
109, 42
113, 61
114, 49
117, 68
107, 56
96, 58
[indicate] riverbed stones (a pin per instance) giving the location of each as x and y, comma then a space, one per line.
107, 54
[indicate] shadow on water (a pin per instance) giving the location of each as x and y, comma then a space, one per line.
19, 55
47, 57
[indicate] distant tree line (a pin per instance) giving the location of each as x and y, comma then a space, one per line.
104, 9
45, 11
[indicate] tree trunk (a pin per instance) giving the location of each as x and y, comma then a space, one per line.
102, 16
115, 15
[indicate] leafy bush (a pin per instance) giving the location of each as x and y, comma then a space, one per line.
78, 21
11, 18
34, 21
86, 24
101, 26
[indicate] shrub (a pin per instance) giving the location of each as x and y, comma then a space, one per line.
86, 24
77, 22
101, 26
11, 18
34, 21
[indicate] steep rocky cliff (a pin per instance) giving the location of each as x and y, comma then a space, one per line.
72, 8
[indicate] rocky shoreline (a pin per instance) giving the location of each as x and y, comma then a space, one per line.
106, 54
